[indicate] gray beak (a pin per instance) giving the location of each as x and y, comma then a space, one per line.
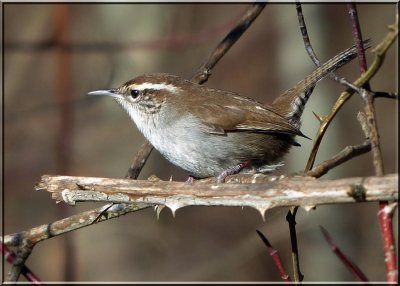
109, 92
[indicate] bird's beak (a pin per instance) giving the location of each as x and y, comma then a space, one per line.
106, 92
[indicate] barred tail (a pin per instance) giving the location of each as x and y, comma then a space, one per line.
292, 102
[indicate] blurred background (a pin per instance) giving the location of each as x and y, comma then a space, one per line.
55, 53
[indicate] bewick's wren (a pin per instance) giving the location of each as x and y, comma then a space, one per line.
208, 131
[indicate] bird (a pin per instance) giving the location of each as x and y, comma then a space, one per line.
212, 132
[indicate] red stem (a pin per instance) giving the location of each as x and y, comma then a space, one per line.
385, 216
275, 256
346, 261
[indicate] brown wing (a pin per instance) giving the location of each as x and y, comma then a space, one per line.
221, 114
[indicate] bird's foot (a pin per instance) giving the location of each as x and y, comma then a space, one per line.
232, 171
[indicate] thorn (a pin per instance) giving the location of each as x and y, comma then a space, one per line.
158, 209
308, 208
173, 212
319, 118
174, 207
262, 210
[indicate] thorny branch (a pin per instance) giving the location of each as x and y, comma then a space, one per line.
259, 191
181, 194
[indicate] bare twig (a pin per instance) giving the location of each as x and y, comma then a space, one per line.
379, 51
343, 156
357, 36
347, 153
275, 256
304, 33
291, 219
346, 261
367, 96
312, 54
392, 95
203, 73
13, 259
140, 159
74, 222
22, 254
369, 110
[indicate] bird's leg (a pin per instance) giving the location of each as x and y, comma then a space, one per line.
232, 171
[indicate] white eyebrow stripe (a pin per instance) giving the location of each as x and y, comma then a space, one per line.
156, 86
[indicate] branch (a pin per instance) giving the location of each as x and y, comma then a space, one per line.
140, 159
291, 219
311, 53
379, 51
258, 191
276, 257
357, 35
11, 258
346, 261
46, 231
203, 73
343, 156
385, 216
346, 154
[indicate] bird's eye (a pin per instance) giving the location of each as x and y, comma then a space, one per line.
135, 93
